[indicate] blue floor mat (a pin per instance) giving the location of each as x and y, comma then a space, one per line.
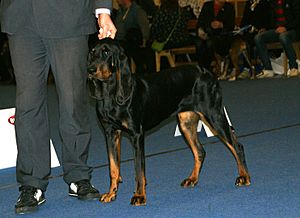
266, 116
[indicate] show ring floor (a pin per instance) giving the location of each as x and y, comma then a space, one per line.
266, 117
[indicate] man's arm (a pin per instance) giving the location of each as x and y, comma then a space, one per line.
102, 11
103, 4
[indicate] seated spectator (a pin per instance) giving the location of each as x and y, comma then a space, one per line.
148, 6
168, 17
256, 13
133, 33
286, 30
131, 16
215, 25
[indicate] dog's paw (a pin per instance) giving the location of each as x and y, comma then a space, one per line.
138, 200
189, 183
108, 197
242, 181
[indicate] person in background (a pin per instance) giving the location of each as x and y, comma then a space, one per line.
215, 25
43, 34
133, 33
168, 16
285, 29
257, 15
148, 6
131, 16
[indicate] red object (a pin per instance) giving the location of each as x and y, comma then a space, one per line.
280, 17
217, 8
11, 120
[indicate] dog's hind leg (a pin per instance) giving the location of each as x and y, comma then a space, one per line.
219, 126
113, 150
188, 122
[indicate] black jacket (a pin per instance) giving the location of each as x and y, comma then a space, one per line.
53, 18
226, 15
260, 17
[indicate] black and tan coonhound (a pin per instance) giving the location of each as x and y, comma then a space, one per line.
134, 104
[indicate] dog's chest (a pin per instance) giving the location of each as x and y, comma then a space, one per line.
114, 114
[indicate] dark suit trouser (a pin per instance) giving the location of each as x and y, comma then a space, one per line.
32, 56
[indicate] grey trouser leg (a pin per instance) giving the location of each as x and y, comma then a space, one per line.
68, 58
31, 57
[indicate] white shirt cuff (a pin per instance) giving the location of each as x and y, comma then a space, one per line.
102, 11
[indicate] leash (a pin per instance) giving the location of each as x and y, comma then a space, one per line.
242, 30
237, 32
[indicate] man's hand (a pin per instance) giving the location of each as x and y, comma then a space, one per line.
216, 24
107, 28
280, 29
202, 34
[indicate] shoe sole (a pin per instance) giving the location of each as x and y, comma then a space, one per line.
27, 210
264, 77
87, 197
73, 195
292, 76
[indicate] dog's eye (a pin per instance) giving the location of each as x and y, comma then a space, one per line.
107, 53
92, 69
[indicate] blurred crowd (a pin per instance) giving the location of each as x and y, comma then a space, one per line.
141, 22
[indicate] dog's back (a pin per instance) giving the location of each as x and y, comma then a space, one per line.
172, 91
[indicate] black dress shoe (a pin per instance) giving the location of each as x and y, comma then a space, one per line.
29, 200
83, 190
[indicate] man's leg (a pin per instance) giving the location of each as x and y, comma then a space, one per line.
261, 40
68, 59
286, 39
32, 128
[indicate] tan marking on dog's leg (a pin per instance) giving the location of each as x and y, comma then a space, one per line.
118, 143
244, 177
139, 197
188, 122
114, 169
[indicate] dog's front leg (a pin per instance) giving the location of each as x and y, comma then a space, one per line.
139, 197
113, 143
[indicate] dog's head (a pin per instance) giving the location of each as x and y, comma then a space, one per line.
109, 72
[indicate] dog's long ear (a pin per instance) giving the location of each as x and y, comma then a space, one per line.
123, 77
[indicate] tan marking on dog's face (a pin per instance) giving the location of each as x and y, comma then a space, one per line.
118, 75
103, 72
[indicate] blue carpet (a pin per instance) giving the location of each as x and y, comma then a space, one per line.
266, 116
